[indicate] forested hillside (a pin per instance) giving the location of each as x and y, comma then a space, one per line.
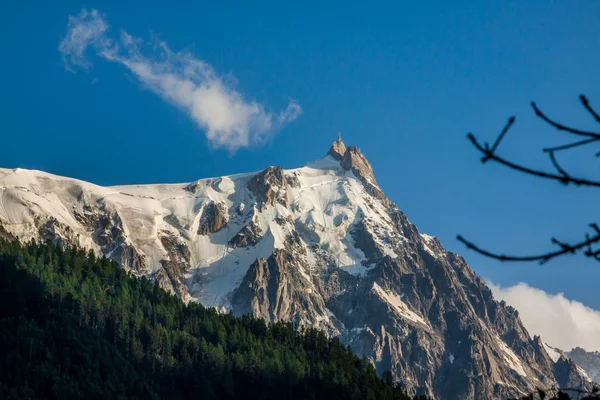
76, 326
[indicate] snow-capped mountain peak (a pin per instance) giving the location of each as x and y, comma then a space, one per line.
319, 245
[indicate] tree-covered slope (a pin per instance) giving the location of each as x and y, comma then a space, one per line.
76, 326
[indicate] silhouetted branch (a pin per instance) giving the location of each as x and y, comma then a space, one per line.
571, 145
587, 106
511, 121
561, 175
561, 127
560, 170
488, 154
565, 248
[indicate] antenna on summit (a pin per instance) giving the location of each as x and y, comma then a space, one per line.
339, 136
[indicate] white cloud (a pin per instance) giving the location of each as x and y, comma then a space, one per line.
88, 28
191, 84
560, 322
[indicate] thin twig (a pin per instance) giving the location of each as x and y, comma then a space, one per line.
559, 168
587, 106
571, 145
561, 127
511, 121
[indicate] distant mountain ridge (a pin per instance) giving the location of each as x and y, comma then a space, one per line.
588, 362
321, 246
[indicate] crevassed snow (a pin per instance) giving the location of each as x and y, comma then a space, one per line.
399, 306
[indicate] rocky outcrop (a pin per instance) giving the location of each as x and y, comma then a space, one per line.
6, 235
213, 218
337, 149
175, 266
108, 233
589, 361
365, 240
353, 160
269, 187
249, 235
280, 288
567, 375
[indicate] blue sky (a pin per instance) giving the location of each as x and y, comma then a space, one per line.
404, 81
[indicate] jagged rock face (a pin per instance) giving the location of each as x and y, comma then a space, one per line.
276, 289
4, 234
249, 235
337, 149
213, 219
354, 161
589, 361
568, 376
541, 354
320, 245
174, 266
567, 372
269, 187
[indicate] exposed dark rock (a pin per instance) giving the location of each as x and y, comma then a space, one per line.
48, 231
364, 240
276, 289
87, 218
402, 224
337, 149
293, 181
109, 235
193, 187
173, 221
567, 375
249, 235
6, 235
269, 187
129, 258
588, 360
540, 354
353, 160
213, 218
172, 275
282, 221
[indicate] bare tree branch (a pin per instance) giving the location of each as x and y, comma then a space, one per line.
561, 127
587, 106
489, 153
571, 145
560, 170
565, 248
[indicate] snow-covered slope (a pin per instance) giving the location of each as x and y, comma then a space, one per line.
554, 353
320, 245
322, 201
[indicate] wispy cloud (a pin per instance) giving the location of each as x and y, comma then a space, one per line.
560, 322
192, 85
88, 28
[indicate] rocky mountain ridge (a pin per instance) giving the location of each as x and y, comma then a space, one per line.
319, 245
587, 362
